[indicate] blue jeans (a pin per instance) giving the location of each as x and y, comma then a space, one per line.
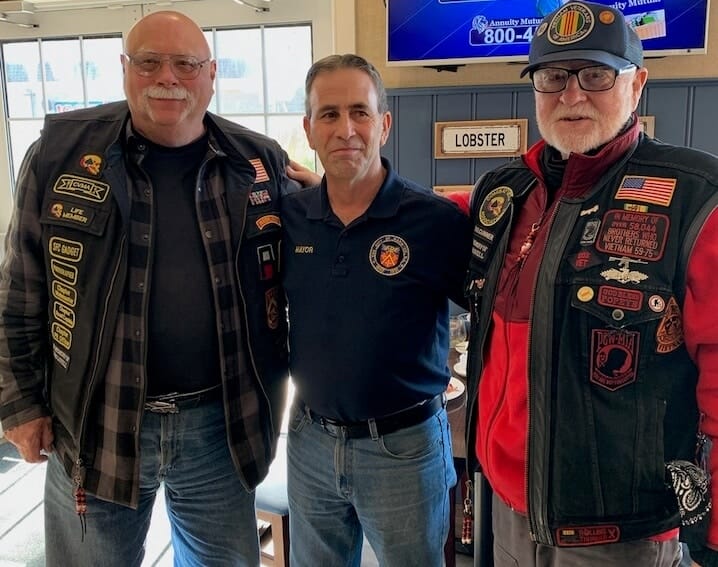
211, 514
394, 489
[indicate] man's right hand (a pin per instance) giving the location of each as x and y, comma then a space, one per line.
31, 438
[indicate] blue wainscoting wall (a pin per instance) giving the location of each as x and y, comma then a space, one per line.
686, 113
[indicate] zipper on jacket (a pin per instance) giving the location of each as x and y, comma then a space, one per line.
78, 473
538, 519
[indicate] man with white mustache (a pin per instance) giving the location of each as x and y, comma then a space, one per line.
142, 327
593, 359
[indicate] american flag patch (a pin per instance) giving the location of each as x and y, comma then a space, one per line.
261, 173
656, 190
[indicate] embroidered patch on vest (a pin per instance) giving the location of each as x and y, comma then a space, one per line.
267, 262
629, 299
587, 535
590, 232
81, 187
634, 235
271, 302
494, 205
571, 23
389, 255
624, 274
65, 249
259, 197
267, 220
61, 335
91, 163
260, 172
584, 259
64, 272
635, 207
71, 213
63, 314
66, 294
614, 358
60, 356
669, 335
656, 190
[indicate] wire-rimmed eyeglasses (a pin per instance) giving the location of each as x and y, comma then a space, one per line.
594, 78
148, 64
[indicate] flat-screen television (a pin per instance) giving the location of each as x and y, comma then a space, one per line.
452, 32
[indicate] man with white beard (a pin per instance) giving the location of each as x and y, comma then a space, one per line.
142, 326
593, 359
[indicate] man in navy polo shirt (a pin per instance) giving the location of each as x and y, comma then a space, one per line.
371, 260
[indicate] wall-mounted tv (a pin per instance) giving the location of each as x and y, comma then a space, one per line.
452, 32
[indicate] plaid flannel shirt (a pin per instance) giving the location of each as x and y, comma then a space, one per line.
109, 469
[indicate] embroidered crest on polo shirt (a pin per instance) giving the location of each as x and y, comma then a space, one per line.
91, 163
494, 205
389, 255
260, 172
571, 23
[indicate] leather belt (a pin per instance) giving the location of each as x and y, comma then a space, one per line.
383, 425
174, 401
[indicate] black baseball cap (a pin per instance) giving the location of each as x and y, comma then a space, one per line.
585, 30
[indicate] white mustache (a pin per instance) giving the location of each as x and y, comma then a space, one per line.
175, 93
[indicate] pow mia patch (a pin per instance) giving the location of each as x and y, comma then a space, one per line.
571, 23
389, 255
81, 187
669, 335
614, 358
494, 205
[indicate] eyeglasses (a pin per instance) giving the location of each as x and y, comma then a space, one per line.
148, 64
595, 78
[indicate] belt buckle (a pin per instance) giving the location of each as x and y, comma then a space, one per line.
159, 406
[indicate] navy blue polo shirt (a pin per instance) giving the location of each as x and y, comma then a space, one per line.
368, 303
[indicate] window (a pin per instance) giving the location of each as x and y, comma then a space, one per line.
54, 75
259, 84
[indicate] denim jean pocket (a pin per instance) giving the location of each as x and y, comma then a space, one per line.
413, 442
298, 418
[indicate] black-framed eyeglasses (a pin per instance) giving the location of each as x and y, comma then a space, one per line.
147, 64
594, 78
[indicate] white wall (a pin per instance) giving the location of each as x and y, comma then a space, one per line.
333, 29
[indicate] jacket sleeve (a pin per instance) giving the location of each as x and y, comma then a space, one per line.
23, 305
701, 335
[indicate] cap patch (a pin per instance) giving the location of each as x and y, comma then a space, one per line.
571, 23
606, 17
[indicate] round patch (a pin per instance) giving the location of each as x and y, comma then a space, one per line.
584, 294
572, 23
542, 29
606, 17
656, 303
389, 255
495, 205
